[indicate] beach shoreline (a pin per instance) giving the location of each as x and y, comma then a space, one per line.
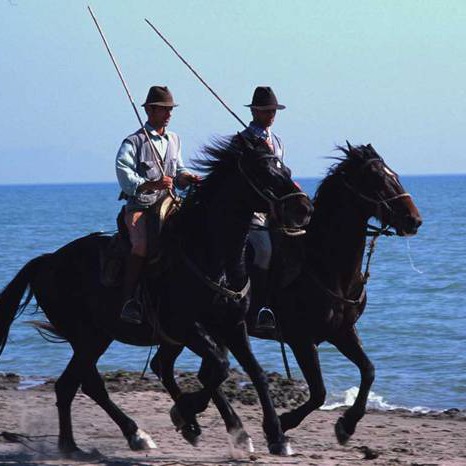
382, 438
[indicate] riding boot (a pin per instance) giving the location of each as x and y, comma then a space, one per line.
132, 309
261, 316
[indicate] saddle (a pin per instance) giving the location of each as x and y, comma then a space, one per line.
113, 257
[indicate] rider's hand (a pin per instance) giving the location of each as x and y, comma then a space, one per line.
185, 179
163, 183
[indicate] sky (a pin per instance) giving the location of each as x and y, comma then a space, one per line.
392, 73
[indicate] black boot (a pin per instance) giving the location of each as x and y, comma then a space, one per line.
261, 316
132, 310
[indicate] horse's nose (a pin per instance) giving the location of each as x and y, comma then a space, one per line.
305, 209
413, 222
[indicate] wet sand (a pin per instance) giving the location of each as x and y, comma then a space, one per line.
382, 438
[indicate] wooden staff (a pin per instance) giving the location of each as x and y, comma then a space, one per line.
196, 73
151, 144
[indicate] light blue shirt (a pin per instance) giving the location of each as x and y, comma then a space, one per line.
260, 132
126, 161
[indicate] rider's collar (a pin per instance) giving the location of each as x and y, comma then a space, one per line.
154, 133
260, 132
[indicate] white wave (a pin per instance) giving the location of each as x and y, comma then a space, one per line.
374, 402
30, 382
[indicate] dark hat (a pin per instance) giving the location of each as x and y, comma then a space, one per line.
159, 95
265, 99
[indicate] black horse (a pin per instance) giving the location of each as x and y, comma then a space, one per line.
204, 290
321, 293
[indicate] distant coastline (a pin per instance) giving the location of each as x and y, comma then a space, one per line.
297, 178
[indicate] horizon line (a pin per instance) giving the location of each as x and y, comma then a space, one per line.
84, 183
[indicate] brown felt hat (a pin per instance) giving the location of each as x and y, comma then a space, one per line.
265, 99
161, 96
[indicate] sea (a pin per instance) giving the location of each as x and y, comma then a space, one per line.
413, 328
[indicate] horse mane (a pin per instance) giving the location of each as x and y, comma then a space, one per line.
216, 162
353, 157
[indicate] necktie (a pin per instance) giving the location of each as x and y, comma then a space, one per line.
269, 143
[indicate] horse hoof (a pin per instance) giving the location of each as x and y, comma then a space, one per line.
340, 431
281, 448
177, 418
241, 440
68, 448
190, 431
141, 440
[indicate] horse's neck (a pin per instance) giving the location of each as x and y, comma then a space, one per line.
336, 243
222, 241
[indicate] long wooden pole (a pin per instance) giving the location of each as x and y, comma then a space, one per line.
154, 151
196, 73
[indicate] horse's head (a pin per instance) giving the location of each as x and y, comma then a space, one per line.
269, 187
366, 176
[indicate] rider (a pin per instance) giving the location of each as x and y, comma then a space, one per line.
264, 106
143, 184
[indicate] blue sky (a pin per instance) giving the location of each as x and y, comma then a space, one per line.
390, 73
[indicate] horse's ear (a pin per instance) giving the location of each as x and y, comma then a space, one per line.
370, 146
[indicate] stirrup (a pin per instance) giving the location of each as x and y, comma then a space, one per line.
131, 312
266, 319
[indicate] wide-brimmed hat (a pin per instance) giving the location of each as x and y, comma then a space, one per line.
161, 96
265, 99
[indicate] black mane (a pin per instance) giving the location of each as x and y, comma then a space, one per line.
353, 158
216, 162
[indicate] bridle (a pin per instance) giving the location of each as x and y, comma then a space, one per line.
276, 204
377, 202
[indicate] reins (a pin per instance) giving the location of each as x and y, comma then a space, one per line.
267, 194
375, 233
216, 286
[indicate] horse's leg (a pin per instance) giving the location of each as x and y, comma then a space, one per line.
240, 438
162, 365
187, 405
93, 386
307, 357
350, 346
238, 342
66, 387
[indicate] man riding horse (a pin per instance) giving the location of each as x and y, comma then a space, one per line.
263, 107
146, 171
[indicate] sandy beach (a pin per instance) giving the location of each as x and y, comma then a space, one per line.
382, 438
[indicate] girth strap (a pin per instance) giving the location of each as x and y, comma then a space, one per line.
335, 296
222, 290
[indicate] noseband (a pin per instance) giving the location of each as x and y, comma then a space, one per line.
376, 202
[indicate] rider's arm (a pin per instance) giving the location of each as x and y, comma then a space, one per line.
180, 169
126, 169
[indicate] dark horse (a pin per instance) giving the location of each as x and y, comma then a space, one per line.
204, 290
321, 294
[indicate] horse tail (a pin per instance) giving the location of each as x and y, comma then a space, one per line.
10, 298
47, 331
